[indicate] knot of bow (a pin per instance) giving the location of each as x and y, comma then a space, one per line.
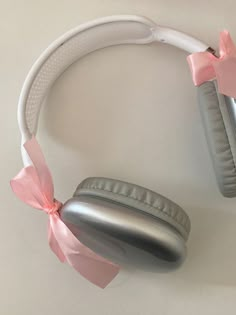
205, 66
34, 186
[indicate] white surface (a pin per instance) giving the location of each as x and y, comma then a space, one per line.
103, 118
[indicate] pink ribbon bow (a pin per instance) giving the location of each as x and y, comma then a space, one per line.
34, 186
205, 66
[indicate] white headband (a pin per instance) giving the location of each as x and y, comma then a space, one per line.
100, 33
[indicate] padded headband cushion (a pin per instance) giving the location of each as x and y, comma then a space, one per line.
137, 197
220, 136
71, 47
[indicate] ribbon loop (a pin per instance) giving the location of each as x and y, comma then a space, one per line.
34, 186
206, 67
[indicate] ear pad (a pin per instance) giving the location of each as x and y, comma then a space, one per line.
131, 215
220, 134
137, 197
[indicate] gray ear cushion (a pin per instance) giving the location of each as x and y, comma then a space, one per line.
220, 134
136, 197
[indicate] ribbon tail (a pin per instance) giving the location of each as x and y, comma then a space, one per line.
226, 44
225, 75
45, 178
53, 243
93, 267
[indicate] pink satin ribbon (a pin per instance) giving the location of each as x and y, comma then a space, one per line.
205, 66
34, 186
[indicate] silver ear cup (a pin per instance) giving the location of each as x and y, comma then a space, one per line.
124, 234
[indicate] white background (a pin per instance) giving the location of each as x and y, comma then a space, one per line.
128, 113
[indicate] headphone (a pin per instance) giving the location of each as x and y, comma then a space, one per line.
117, 220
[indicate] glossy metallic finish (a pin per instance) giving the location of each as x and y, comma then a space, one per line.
124, 235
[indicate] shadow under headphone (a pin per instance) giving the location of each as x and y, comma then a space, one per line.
122, 221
